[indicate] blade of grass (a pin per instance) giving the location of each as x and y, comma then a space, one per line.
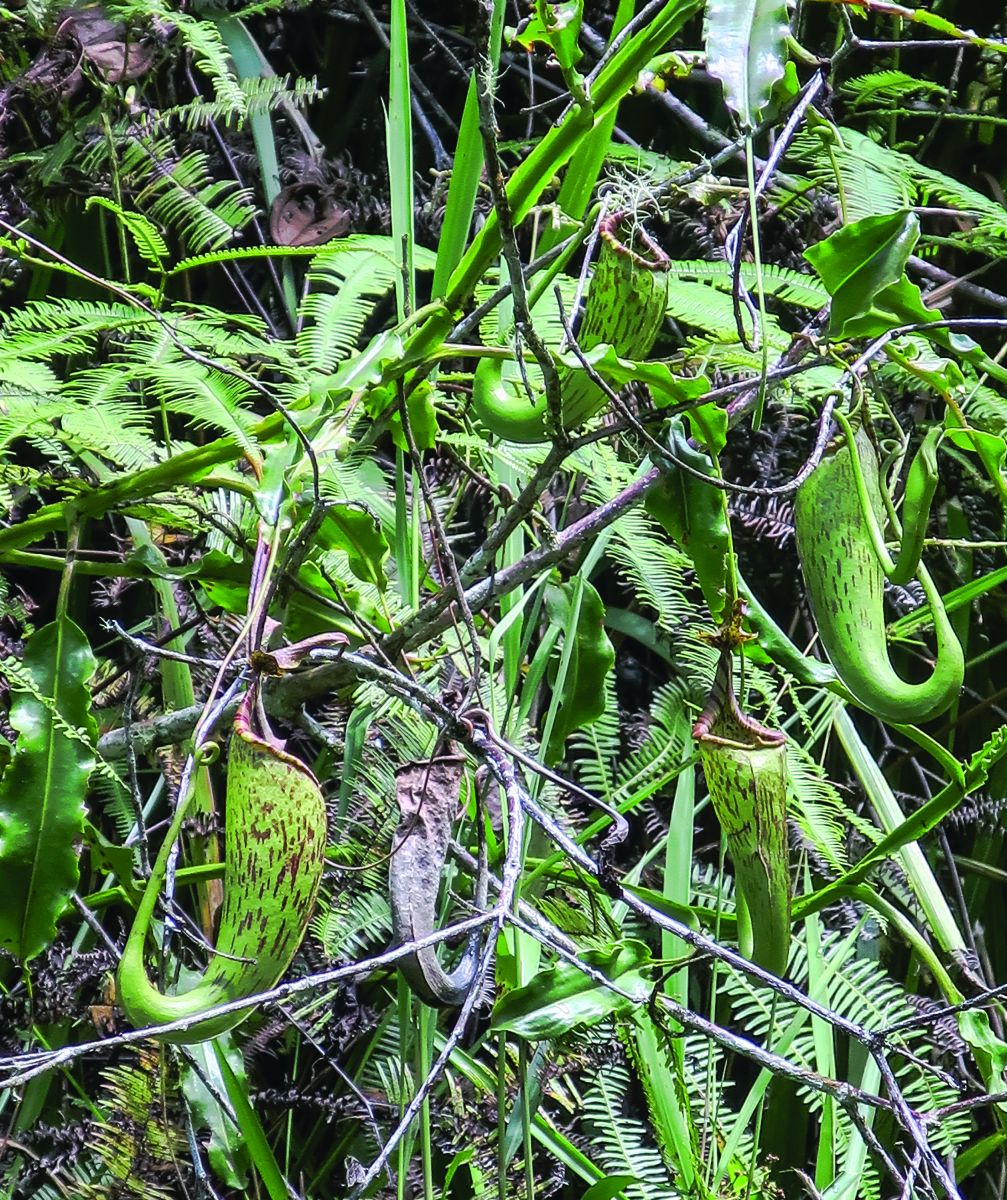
582, 174
914, 862
399, 140
465, 172
248, 1122
251, 63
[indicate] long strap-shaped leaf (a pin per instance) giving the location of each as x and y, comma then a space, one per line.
746, 51
274, 845
43, 788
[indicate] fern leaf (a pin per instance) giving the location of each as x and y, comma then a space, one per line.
148, 241
209, 397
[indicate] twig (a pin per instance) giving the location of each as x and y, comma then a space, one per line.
24, 1067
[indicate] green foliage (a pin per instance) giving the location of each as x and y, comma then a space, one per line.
221, 424
585, 661
44, 784
746, 51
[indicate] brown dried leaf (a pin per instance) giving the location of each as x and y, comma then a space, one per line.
305, 214
107, 46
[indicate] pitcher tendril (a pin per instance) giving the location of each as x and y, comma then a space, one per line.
275, 828
625, 309
838, 513
745, 765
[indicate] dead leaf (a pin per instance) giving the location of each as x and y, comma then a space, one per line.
305, 214
114, 52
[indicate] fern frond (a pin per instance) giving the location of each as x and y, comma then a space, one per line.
619, 1140
259, 96
351, 926
211, 398
118, 430
889, 88
44, 329
874, 179
877, 179
783, 283
545, 312
201, 38
180, 194
346, 278
816, 805
138, 1142
659, 759
654, 568
24, 376
333, 320
146, 237
707, 308
594, 748
29, 415
858, 989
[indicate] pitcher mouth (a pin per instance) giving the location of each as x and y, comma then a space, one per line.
651, 258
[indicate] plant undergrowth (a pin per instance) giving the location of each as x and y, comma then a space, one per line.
277, 282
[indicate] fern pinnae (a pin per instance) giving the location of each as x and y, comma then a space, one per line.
701, 306
333, 321
594, 748
871, 179
859, 990
45, 329
888, 88
351, 926
259, 96
201, 38
181, 194
117, 430
346, 279
817, 807
622, 1141
783, 283
658, 759
655, 569
208, 397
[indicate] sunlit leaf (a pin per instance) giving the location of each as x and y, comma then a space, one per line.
43, 788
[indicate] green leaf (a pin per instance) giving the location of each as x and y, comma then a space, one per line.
365, 369
227, 1151
972, 440
563, 997
746, 50
989, 1051
863, 267
321, 609
422, 416
671, 908
43, 788
353, 529
695, 515
709, 425
559, 30
971, 1157
590, 657
605, 1189
251, 1127
666, 386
